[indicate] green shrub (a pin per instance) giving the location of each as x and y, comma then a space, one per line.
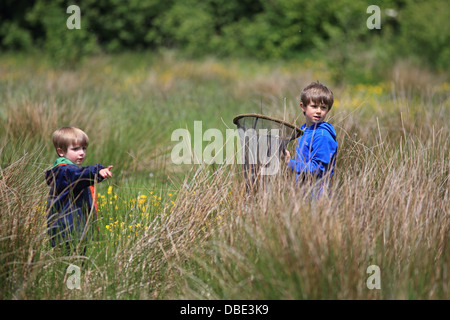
335, 31
64, 46
14, 36
424, 32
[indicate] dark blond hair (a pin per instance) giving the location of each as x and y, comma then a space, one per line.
318, 94
66, 136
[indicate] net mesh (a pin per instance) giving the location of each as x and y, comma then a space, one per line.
263, 140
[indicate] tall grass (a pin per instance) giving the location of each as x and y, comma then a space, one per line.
172, 232
388, 209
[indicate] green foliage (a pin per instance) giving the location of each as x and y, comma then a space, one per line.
14, 36
425, 32
186, 26
64, 46
121, 25
335, 31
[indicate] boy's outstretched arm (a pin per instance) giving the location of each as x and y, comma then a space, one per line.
106, 172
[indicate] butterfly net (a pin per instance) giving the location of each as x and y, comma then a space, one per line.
263, 140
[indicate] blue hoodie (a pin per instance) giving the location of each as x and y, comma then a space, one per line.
316, 151
71, 199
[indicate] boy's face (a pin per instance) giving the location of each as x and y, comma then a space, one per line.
314, 113
76, 153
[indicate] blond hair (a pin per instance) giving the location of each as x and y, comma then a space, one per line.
66, 136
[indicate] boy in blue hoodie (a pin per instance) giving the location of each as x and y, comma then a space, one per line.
72, 197
316, 150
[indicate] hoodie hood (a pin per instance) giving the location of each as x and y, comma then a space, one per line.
50, 174
321, 126
61, 160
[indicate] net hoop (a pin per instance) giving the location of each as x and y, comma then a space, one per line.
297, 130
264, 140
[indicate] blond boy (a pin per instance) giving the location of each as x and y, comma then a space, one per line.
72, 197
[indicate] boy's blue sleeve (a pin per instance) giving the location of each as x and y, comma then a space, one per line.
79, 177
317, 158
313, 166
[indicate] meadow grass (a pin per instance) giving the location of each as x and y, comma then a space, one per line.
192, 231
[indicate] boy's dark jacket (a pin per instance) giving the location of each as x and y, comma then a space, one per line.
71, 199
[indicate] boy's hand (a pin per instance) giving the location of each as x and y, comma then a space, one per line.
286, 156
106, 173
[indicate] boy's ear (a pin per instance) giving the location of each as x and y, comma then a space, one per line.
60, 152
303, 107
